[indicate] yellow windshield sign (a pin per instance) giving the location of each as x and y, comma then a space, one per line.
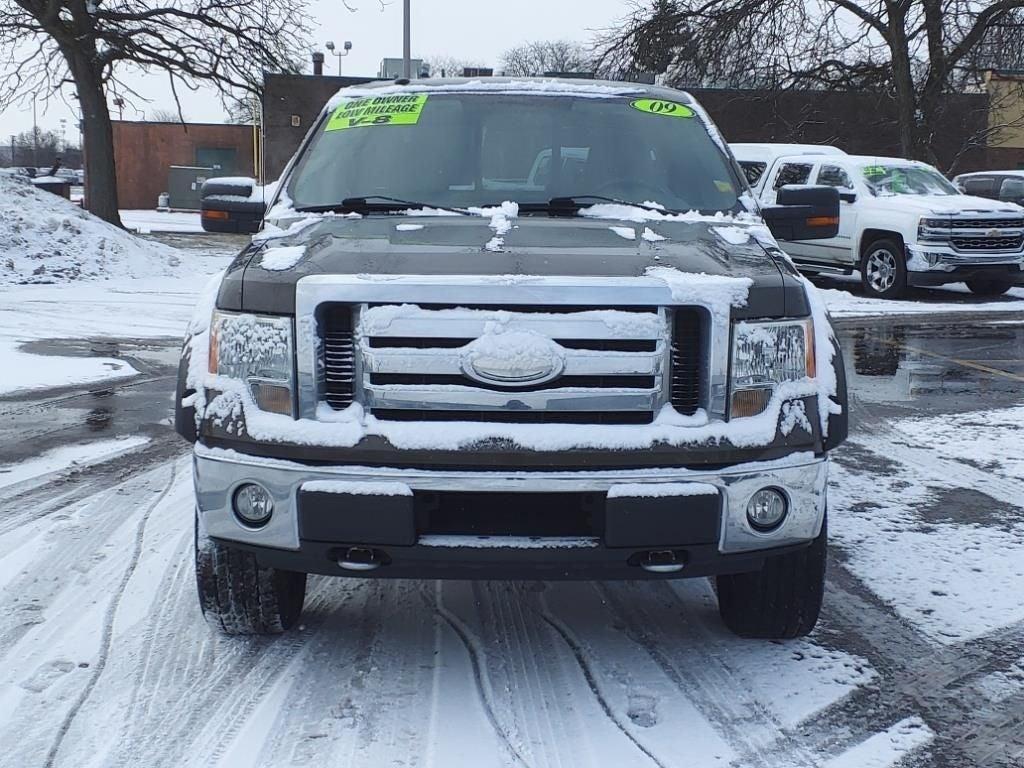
661, 107
399, 109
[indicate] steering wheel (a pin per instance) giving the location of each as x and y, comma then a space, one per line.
625, 187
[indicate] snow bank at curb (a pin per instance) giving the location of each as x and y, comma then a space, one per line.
46, 239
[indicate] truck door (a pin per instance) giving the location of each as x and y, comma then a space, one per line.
841, 248
797, 172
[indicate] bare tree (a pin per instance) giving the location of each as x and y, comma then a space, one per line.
536, 58
167, 116
916, 52
47, 46
450, 66
36, 147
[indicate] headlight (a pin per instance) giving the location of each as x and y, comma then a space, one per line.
256, 349
934, 230
765, 355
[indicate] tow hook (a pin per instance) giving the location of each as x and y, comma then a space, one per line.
663, 561
360, 559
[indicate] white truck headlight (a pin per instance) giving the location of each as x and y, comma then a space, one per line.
256, 349
934, 230
765, 355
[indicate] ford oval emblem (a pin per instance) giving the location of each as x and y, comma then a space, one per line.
513, 359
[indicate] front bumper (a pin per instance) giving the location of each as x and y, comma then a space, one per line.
802, 477
939, 265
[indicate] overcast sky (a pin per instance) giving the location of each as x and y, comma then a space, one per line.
465, 29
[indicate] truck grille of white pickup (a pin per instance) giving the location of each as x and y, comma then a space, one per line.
620, 365
985, 243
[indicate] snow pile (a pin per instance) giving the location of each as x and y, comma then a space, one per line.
46, 239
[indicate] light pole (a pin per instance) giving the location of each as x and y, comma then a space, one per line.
35, 132
407, 42
348, 48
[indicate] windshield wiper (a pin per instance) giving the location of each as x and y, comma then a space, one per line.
571, 205
376, 204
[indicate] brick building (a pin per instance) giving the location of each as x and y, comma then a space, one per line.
145, 152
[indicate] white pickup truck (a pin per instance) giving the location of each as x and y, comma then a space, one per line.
903, 224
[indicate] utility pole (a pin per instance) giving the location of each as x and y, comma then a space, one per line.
35, 133
407, 46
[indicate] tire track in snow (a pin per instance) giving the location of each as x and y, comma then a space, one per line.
35, 498
199, 706
743, 720
577, 651
501, 613
480, 679
108, 624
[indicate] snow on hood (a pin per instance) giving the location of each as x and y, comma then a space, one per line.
948, 205
46, 239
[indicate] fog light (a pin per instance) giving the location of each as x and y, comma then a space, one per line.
766, 509
253, 505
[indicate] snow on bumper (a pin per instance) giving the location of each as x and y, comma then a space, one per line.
802, 477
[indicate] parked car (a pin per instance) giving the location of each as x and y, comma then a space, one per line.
756, 159
902, 223
1006, 186
438, 362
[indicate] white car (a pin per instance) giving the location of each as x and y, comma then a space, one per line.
902, 223
756, 159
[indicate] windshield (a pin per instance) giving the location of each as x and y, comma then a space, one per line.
466, 149
886, 180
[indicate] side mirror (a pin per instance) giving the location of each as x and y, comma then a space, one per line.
804, 213
234, 205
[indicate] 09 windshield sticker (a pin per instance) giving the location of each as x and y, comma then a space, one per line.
662, 108
404, 109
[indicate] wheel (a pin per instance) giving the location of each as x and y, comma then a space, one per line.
883, 269
993, 286
239, 597
782, 600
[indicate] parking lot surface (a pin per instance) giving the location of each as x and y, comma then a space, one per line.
918, 660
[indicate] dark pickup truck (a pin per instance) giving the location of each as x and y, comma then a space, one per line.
514, 329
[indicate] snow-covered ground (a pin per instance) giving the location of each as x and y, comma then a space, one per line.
844, 299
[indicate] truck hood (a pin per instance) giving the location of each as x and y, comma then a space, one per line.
535, 245
948, 205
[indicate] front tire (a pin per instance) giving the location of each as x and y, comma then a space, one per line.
782, 601
239, 597
989, 286
883, 269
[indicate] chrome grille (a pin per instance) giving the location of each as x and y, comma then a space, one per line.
984, 243
987, 223
411, 363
